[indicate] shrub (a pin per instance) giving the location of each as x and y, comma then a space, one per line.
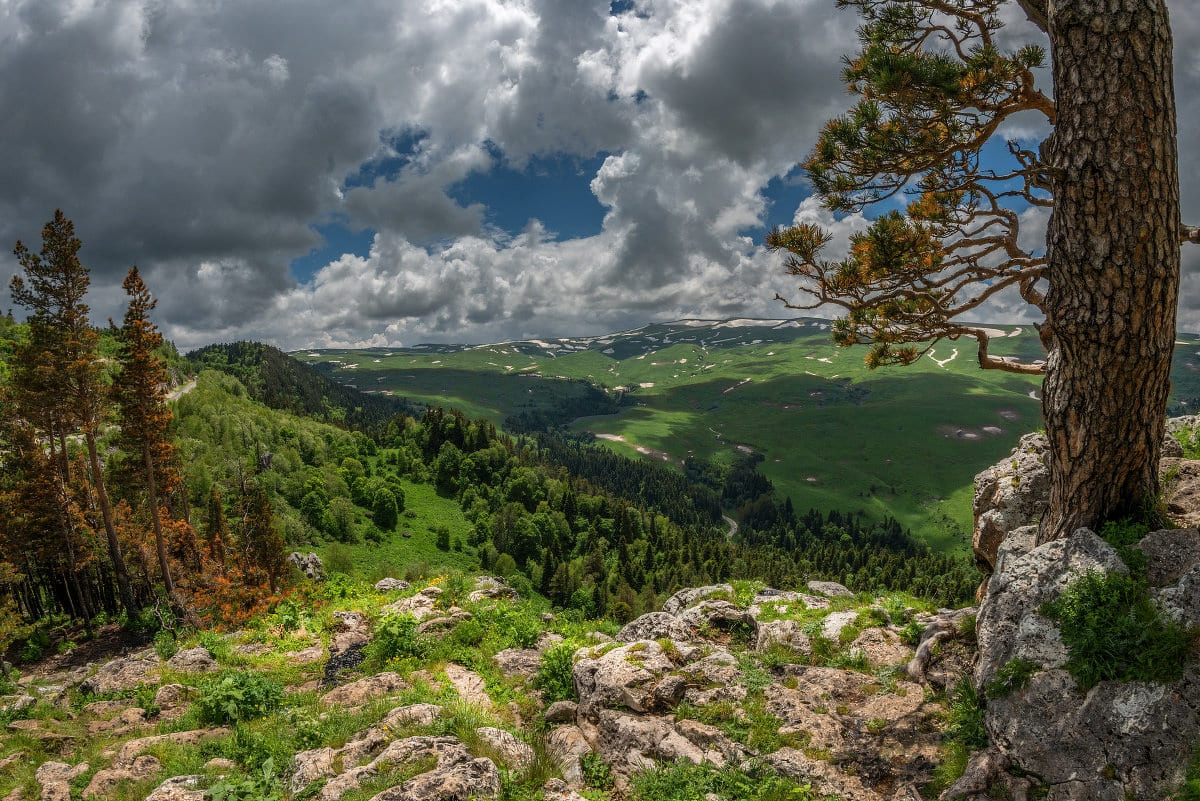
165, 645
684, 782
554, 677
265, 785
396, 638
237, 695
1113, 630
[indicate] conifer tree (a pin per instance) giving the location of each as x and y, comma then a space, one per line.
140, 392
58, 371
261, 545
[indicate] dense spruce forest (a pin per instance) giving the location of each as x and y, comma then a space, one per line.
120, 503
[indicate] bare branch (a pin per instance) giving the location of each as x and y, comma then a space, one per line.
1190, 233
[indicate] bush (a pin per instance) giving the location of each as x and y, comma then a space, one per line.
265, 785
684, 782
1113, 630
236, 696
554, 677
165, 645
396, 638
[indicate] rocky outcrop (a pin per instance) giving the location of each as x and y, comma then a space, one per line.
309, 564
122, 674
1115, 740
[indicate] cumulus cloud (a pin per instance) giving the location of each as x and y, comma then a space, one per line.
205, 140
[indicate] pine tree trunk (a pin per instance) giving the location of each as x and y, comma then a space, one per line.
1113, 255
160, 542
110, 531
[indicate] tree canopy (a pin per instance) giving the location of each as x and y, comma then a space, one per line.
934, 89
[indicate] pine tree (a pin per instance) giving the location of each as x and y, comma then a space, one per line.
140, 392
58, 370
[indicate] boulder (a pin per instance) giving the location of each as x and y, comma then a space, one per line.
562, 712
1009, 626
122, 674
512, 752
881, 647
1181, 491
104, 782
179, 788
718, 614
693, 595
835, 622
519, 661
443, 623
411, 715
621, 677
559, 790
1170, 554
194, 660
830, 589
490, 587
787, 633
351, 620
391, 584
463, 781
469, 685
419, 606
656, 626
309, 564
566, 745
54, 779
357, 693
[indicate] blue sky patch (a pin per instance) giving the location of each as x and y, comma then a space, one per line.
339, 239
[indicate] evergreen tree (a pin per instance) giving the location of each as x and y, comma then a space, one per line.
140, 392
58, 371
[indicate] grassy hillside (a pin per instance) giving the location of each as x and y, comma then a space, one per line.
833, 434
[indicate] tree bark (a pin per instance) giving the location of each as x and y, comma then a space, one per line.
1113, 257
110, 531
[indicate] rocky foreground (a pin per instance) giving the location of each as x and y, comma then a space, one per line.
808, 689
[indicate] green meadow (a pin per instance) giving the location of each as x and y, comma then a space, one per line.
905, 442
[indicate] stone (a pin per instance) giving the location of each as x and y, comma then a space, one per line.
1009, 626
830, 589
170, 696
128, 721
1170, 554
179, 788
419, 606
391, 584
463, 781
719, 615
1010, 494
122, 674
512, 752
715, 678
309, 564
105, 781
126, 752
835, 622
15, 704
1181, 492
519, 661
621, 677
445, 622
1182, 600
562, 712
559, 790
357, 693
349, 621
824, 777
566, 745
193, 660
693, 595
656, 626
411, 715
469, 685
54, 779
881, 647
491, 588
307, 656
787, 633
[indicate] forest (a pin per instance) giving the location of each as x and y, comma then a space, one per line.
121, 502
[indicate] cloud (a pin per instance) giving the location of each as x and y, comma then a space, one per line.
205, 140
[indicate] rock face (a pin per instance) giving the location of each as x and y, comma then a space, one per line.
1008, 495
1117, 740
309, 564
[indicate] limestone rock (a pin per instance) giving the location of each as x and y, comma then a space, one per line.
469, 685
881, 647
1182, 600
830, 589
519, 661
179, 788
128, 721
490, 587
170, 696
1181, 491
464, 781
622, 677
687, 597
559, 790
309, 564
566, 745
391, 584
835, 622
782, 632
715, 678
1170, 554
419, 606
357, 693
1009, 626
656, 626
349, 620
718, 614
1010, 494
55, 779
122, 674
514, 753
443, 623
194, 660
411, 715
105, 781
127, 751
562, 712
825, 778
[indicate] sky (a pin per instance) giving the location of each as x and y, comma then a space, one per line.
382, 173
